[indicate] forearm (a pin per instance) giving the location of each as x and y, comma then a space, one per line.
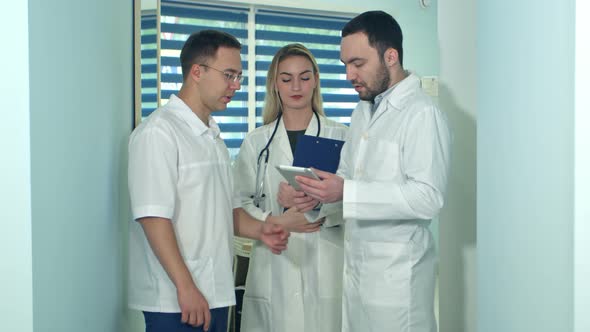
254, 211
330, 212
162, 240
245, 225
390, 200
333, 214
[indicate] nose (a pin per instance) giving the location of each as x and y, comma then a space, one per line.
350, 73
235, 85
296, 85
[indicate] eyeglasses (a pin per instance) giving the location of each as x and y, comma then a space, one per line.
229, 77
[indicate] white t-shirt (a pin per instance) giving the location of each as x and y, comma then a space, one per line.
179, 169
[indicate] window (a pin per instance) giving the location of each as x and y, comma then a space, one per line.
262, 32
149, 81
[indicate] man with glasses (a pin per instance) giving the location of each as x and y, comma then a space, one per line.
180, 184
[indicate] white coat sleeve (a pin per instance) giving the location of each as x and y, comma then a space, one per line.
244, 171
331, 211
152, 174
419, 194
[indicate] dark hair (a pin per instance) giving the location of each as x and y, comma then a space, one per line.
381, 29
203, 45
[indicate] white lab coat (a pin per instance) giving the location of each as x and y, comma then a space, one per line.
301, 289
395, 166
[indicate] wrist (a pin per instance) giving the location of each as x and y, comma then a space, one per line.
259, 230
270, 219
185, 284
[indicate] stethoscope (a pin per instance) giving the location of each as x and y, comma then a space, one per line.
262, 162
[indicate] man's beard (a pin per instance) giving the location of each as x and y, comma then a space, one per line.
380, 84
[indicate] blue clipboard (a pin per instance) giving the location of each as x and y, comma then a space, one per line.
318, 152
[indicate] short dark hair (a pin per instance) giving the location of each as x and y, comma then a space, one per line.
381, 29
203, 45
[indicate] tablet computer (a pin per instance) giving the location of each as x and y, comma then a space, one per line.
290, 172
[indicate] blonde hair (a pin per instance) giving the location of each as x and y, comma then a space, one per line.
272, 101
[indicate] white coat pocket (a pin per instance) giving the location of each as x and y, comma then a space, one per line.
385, 273
331, 261
383, 160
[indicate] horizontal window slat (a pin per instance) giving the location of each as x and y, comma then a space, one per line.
233, 127
318, 54
324, 83
237, 112
148, 22
233, 111
146, 112
177, 78
297, 37
187, 29
149, 98
239, 96
318, 22
148, 39
233, 143
149, 83
327, 97
148, 17
148, 54
340, 98
177, 45
337, 112
330, 112
341, 84
231, 15
151, 68
175, 62
327, 69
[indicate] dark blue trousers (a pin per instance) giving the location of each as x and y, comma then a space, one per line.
170, 322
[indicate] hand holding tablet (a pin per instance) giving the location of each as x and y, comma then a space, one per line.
290, 172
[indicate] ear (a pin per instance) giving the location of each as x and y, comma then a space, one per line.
391, 57
195, 72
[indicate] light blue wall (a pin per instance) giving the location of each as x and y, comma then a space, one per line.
582, 226
458, 99
16, 288
525, 165
81, 112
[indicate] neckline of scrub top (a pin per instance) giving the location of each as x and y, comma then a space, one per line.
179, 107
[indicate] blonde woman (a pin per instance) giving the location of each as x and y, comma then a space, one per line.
299, 290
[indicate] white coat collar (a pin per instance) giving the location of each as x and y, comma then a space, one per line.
404, 89
181, 109
396, 99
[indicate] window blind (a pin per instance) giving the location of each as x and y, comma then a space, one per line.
149, 98
273, 29
180, 19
